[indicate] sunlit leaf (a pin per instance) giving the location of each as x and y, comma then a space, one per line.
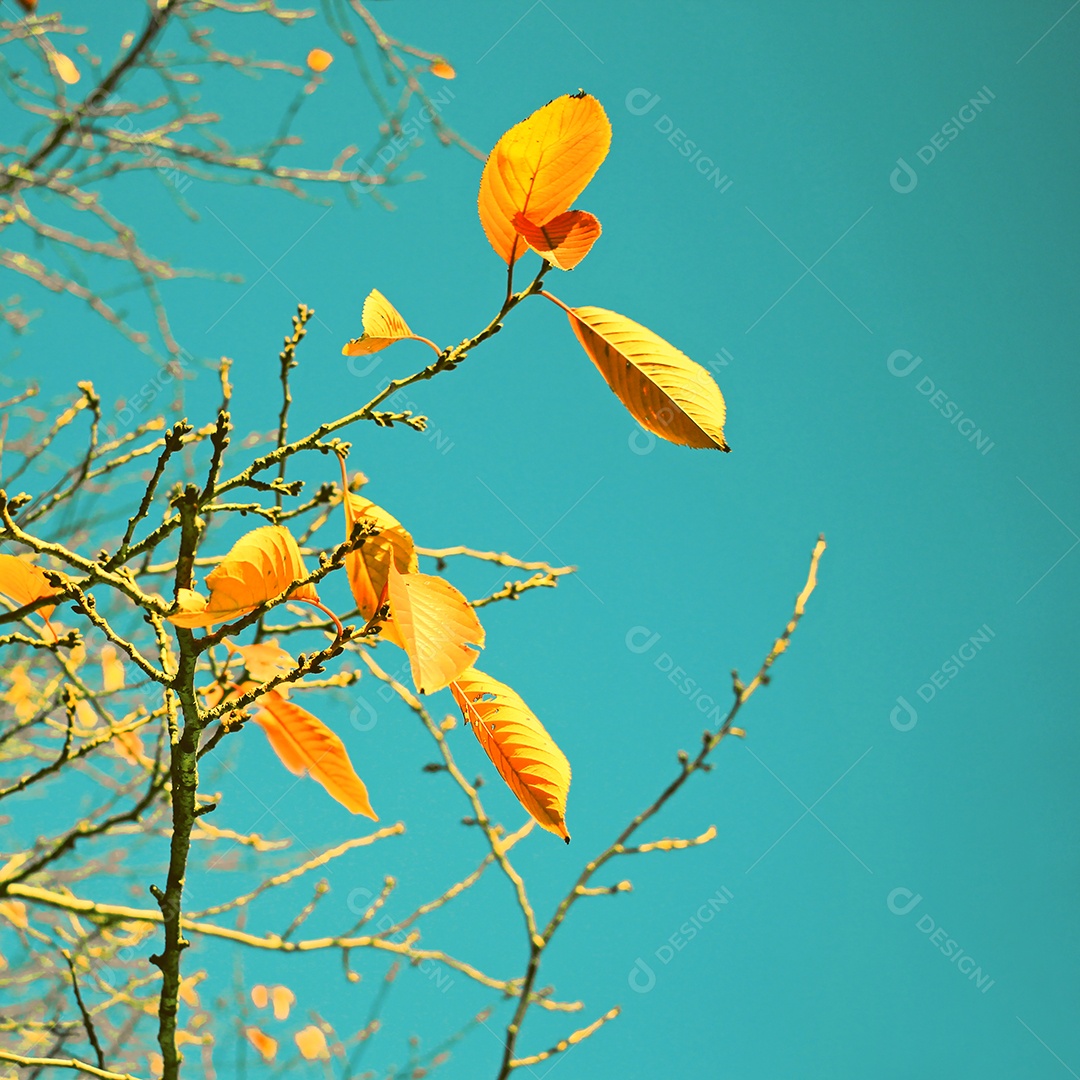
436, 627
265, 1044
112, 669
382, 327
260, 996
665, 391
369, 566
65, 67
442, 69
305, 744
319, 60
282, 999
311, 1043
260, 567
15, 913
540, 166
22, 582
534, 768
564, 241
265, 660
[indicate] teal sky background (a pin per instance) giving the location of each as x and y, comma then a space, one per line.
799, 282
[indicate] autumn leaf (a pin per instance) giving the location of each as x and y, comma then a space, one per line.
319, 60
665, 391
305, 744
540, 166
22, 582
564, 241
442, 69
266, 1044
65, 67
534, 768
436, 626
264, 660
112, 669
260, 996
311, 1043
15, 913
382, 327
260, 567
369, 566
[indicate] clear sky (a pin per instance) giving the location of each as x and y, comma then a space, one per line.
874, 231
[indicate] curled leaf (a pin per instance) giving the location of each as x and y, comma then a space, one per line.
534, 768
664, 390
305, 744
540, 166
383, 325
264, 660
259, 568
434, 624
369, 566
564, 241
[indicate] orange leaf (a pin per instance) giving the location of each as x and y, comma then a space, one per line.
282, 998
260, 567
540, 166
22, 582
311, 1043
265, 1044
65, 67
264, 660
436, 625
112, 669
664, 390
564, 241
442, 69
383, 325
534, 768
369, 566
305, 744
15, 913
319, 59
260, 996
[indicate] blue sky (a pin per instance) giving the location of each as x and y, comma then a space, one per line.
867, 268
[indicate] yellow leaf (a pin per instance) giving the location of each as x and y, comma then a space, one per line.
22, 582
665, 391
188, 994
129, 746
534, 768
319, 60
382, 327
436, 625
442, 69
282, 998
15, 913
22, 693
312, 1044
305, 744
112, 669
540, 166
564, 241
260, 567
264, 660
65, 68
260, 996
369, 566
265, 1044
